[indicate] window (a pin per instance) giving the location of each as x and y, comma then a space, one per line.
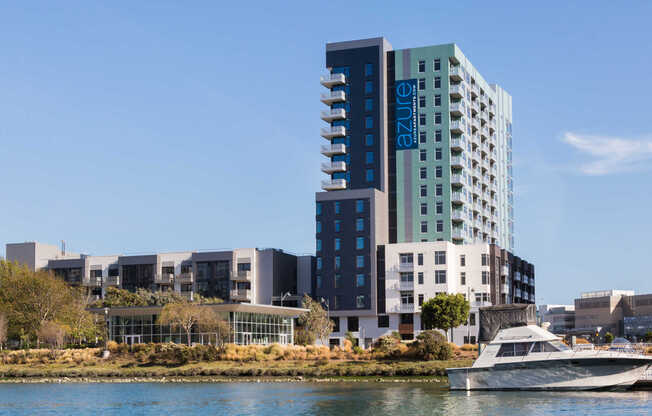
424, 226
368, 87
406, 276
318, 208
359, 301
369, 139
420, 299
319, 226
462, 260
438, 153
440, 257
438, 135
437, 118
359, 243
352, 323
440, 226
439, 189
337, 302
368, 122
420, 277
318, 245
336, 323
338, 207
438, 172
422, 137
423, 155
437, 64
485, 259
359, 206
424, 190
368, 69
338, 262
359, 280
338, 226
368, 104
407, 298
338, 280
422, 119
440, 277
359, 262
406, 258
423, 172
485, 278
422, 66
318, 281
359, 224
369, 175
437, 82
318, 263
424, 208
369, 157
338, 244
472, 319
422, 83
439, 207
463, 278
383, 321
422, 101
437, 100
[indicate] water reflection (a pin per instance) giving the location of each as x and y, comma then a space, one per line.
337, 399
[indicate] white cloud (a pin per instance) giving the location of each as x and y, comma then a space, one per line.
611, 154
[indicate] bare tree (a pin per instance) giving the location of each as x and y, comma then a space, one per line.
187, 316
52, 334
315, 322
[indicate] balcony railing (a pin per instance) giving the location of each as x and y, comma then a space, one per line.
456, 73
333, 185
457, 108
457, 179
331, 80
333, 97
457, 215
405, 267
457, 126
241, 275
457, 233
457, 91
113, 281
333, 149
164, 278
331, 167
241, 294
334, 131
185, 278
333, 114
457, 197
457, 143
457, 161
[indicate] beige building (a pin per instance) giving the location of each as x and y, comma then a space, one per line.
620, 312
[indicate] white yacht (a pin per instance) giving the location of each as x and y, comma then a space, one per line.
531, 358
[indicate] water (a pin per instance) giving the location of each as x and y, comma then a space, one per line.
338, 399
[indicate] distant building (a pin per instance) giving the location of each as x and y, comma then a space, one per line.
620, 312
248, 275
560, 317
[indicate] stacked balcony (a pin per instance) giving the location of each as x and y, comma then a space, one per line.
333, 184
329, 150
185, 278
241, 276
457, 162
457, 109
333, 131
457, 198
331, 97
457, 143
457, 215
241, 294
333, 114
332, 167
164, 279
456, 73
332, 80
457, 179
457, 126
456, 91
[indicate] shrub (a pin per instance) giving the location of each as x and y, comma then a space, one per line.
469, 347
386, 343
431, 345
358, 350
608, 337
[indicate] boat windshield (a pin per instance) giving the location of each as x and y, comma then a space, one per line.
520, 349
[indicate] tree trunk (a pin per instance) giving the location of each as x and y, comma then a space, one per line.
188, 333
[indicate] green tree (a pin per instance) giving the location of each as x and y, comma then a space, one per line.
81, 324
445, 312
187, 315
315, 321
648, 336
608, 337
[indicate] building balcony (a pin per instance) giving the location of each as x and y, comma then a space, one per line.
457, 126
517, 276
474, 90
241, 276
526, 279
403, 308
457, 162
185, 278
332, 80
457, 109
457, 143
492, 109
333, 114
241, 294
406, 267
93, 282
331, 97
456, 91
112, 281
517, 293
457, 197
333, 131
333, 184
457, 215
504, 288
455, 73
164, 278
407, 285
457, 179
332, 167
457, 234
333, 149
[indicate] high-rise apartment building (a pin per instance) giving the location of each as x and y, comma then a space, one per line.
418, 148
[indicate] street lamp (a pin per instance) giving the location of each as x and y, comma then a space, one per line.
325, 301
469, 290
283, 296
106, 321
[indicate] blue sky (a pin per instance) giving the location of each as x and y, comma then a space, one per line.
130, 127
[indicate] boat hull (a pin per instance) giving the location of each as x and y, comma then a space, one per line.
566, 374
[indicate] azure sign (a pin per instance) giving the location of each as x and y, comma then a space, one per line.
406, 114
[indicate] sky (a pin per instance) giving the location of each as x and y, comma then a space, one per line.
134, 127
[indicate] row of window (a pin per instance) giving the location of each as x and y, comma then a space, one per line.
422, 119
440, 277
439, 208
359, 207
436, 65
359, 244
360, 281
423, 190
422, 83
359, 262
440, 258
337, 225
423, 154
423, 100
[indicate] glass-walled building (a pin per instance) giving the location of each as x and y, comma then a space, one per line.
249, 324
